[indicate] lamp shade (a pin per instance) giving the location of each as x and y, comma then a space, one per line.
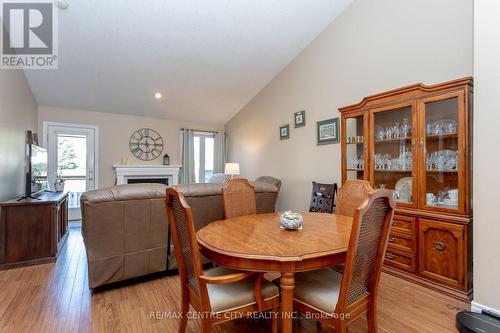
232, 169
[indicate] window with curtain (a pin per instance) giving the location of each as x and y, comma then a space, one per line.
203, 155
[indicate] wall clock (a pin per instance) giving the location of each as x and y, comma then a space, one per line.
146, 144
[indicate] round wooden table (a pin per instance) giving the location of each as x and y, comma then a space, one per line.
256, 243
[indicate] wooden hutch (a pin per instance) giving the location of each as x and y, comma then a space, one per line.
417, 141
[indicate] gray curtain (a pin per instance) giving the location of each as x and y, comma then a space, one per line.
187, 157
219, 152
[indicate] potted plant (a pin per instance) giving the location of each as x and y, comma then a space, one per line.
59, 183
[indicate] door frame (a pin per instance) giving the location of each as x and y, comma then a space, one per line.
46, 125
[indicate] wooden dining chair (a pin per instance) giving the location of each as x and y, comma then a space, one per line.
331, 294
239, 198
219, 294
351, 195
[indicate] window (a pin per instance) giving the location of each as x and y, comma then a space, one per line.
203, 156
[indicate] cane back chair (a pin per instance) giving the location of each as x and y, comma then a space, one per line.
333, 295
239, 198
219, 294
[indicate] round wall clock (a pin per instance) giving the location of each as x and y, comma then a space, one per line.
146, 144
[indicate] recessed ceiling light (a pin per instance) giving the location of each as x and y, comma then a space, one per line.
158, 95
61, 4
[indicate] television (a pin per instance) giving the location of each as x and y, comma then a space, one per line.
36, 175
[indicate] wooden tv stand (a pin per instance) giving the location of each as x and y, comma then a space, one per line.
32, 231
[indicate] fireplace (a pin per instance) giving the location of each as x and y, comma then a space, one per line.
163, 181
133, 174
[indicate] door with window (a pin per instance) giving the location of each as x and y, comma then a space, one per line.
72, 158
203, 156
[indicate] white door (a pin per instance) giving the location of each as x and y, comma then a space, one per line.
72, 156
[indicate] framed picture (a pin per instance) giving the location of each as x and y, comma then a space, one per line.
284, 132
300, 118
328, 131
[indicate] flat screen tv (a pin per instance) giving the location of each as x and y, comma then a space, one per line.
36, 175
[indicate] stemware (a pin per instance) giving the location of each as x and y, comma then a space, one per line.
406, 128
388, 132
396, 130
380, 133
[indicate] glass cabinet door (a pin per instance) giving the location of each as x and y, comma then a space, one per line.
355, 143
393, 162
442, 145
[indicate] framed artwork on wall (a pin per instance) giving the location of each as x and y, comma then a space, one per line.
284, 132
328, 131
299, 118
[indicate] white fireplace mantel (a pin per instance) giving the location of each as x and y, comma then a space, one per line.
126, 172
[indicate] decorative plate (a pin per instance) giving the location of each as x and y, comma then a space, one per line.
404, 189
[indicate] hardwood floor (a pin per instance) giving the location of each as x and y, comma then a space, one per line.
55, 298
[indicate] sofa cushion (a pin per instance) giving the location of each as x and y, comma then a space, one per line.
208, 189
125, 192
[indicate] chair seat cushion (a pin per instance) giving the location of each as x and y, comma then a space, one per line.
225, 297
318, 289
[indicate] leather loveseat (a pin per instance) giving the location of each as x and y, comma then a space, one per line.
125, 227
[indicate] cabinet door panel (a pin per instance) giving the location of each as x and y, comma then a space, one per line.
393, 157
354, 146
441, 252
443, 151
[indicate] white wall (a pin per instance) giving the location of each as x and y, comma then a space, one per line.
486, 157
372, 47
114, 134
17, 115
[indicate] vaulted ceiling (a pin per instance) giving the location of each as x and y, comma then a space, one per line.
208, 58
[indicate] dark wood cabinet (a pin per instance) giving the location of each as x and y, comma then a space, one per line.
32, 231
416, 140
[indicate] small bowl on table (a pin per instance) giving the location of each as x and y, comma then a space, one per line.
291, 221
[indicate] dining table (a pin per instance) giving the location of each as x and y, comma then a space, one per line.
257, 243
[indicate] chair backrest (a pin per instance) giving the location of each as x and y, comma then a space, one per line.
367, 245
351, 195
239, 198
323, 197
186, 248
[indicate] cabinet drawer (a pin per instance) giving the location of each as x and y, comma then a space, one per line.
402, 223
400, 259
402, 242
442, 248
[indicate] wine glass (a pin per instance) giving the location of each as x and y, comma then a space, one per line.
388, 132
396, 129
406, 128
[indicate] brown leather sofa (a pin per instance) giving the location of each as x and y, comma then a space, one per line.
125, 227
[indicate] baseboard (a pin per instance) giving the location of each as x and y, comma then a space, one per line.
477, 307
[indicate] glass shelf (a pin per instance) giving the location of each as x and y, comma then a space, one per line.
395, 140
442, 136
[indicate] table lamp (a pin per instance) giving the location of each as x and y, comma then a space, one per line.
232, 169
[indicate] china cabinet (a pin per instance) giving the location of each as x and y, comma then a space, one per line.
416, 141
